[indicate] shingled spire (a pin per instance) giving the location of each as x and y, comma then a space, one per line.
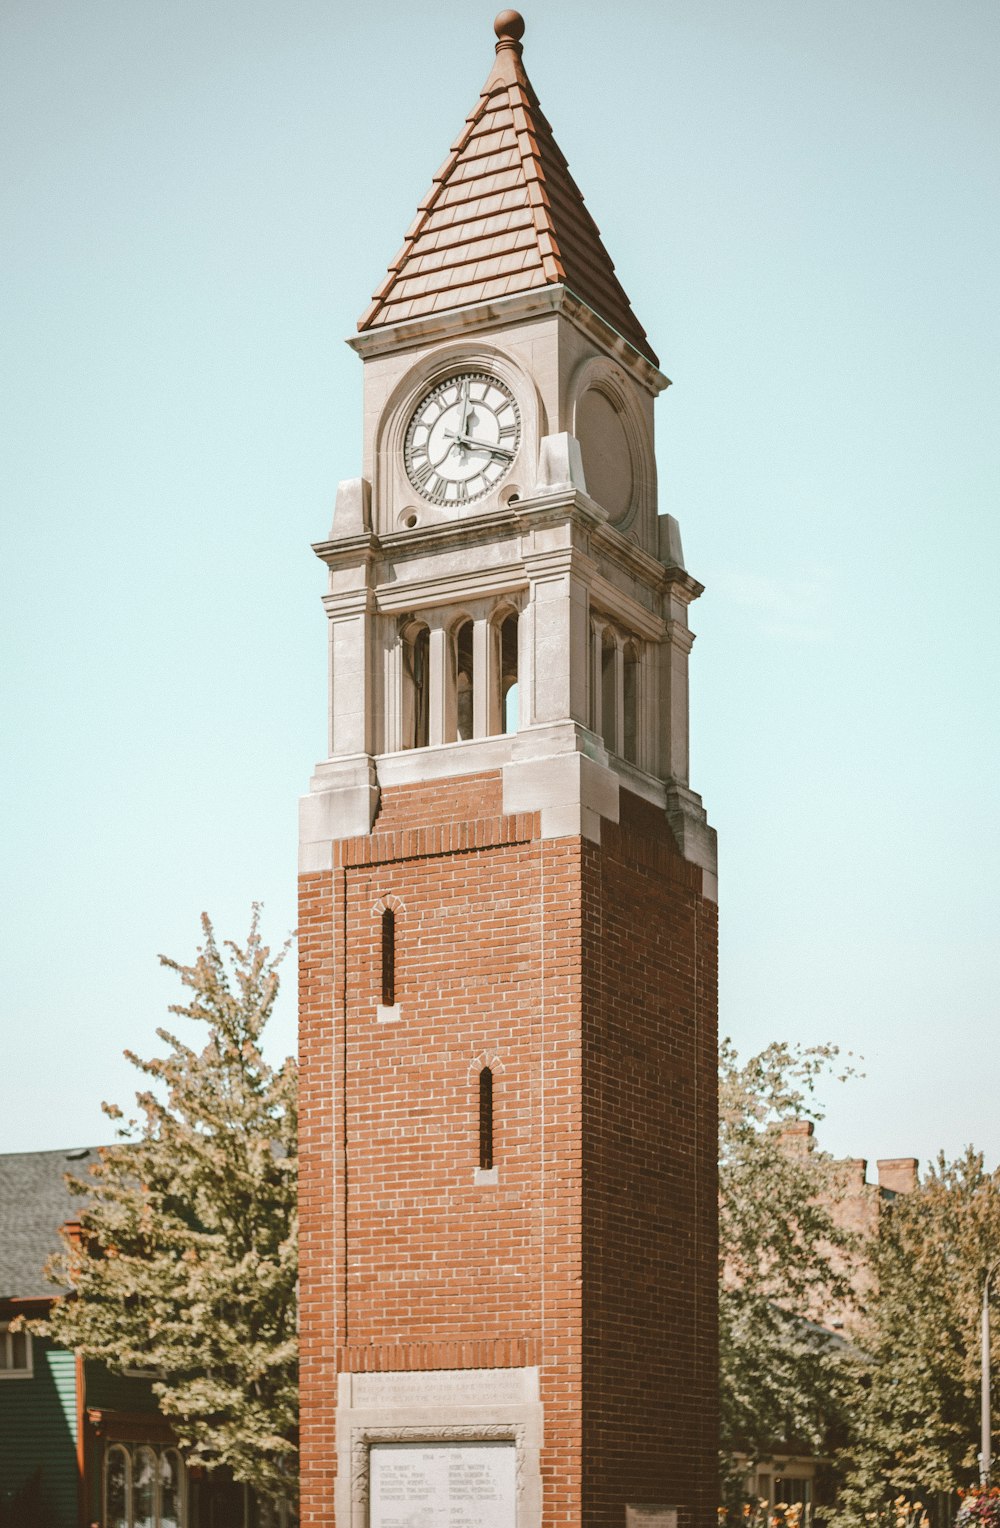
503, 215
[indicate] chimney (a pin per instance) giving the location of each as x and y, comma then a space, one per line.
796, 1136
897, 1174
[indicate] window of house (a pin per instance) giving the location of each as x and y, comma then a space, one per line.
789, 1489
143, 1487
15, 1354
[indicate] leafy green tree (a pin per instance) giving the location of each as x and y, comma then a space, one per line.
783, 1260
918, 1432
187, 1261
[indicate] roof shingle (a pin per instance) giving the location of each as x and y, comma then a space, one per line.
503, 215
34, 1203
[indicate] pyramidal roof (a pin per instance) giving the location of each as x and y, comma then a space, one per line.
504, 215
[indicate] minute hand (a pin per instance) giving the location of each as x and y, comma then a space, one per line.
479, 445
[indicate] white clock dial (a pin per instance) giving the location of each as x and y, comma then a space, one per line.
462, 439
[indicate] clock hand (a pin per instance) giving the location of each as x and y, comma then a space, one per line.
479, 445
464, 422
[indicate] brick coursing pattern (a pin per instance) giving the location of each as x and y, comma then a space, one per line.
585, 976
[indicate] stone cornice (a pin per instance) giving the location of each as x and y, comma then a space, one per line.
536, 303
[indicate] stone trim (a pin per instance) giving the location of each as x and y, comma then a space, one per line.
491, 1353
362, 1439
443, 838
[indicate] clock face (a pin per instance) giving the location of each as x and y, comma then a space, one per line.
462, 439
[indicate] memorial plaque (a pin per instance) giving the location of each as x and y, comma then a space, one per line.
443, 1485
647, 1516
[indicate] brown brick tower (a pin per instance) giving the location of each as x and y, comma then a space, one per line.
508, 931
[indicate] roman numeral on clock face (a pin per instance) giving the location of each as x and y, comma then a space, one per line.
421, 472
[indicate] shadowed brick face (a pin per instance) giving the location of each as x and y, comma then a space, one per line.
584, 977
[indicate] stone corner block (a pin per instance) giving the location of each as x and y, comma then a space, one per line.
560, 465
569, 791
326, 815
352, 513
694, 835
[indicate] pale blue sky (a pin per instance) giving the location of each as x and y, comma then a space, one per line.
802, 200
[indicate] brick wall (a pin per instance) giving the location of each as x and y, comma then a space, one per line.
585, 978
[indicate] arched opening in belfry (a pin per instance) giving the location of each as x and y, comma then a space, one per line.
464, 681
416, 687
630, 703
609, 689
509, 693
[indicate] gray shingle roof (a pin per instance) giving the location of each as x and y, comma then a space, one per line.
34, 1203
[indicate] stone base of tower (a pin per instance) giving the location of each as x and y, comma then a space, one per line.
560, 1303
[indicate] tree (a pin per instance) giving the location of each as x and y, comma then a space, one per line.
783, 1260
919, 1429
186, 1262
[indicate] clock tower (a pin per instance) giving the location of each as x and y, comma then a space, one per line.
508, 930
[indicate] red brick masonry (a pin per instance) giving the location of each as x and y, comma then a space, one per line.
585, 977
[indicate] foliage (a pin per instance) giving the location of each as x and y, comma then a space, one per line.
919, 1429
784, 1378
187, 1259
760, 1513
980, 1507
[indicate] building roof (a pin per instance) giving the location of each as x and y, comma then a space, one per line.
34, 1203
503, 215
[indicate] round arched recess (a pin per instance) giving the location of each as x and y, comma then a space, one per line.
607, 454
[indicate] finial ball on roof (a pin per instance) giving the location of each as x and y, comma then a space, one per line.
509, 26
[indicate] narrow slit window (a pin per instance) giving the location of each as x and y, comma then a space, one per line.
388, 958
486, 1118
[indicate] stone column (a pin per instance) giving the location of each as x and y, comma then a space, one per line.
352, 718
557, 614
485, 679
673, 728
594, 663
441, 719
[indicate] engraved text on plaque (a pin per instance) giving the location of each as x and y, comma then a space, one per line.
446, 1485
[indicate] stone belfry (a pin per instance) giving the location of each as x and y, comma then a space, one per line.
508, 930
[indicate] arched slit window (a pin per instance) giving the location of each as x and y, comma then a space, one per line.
170, 1489
631, 704
609, 690
486, 1118
117, 1507
509, 702
144, 1488
388, 958
463, 682
416, 700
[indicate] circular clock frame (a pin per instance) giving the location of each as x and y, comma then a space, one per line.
462, 438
